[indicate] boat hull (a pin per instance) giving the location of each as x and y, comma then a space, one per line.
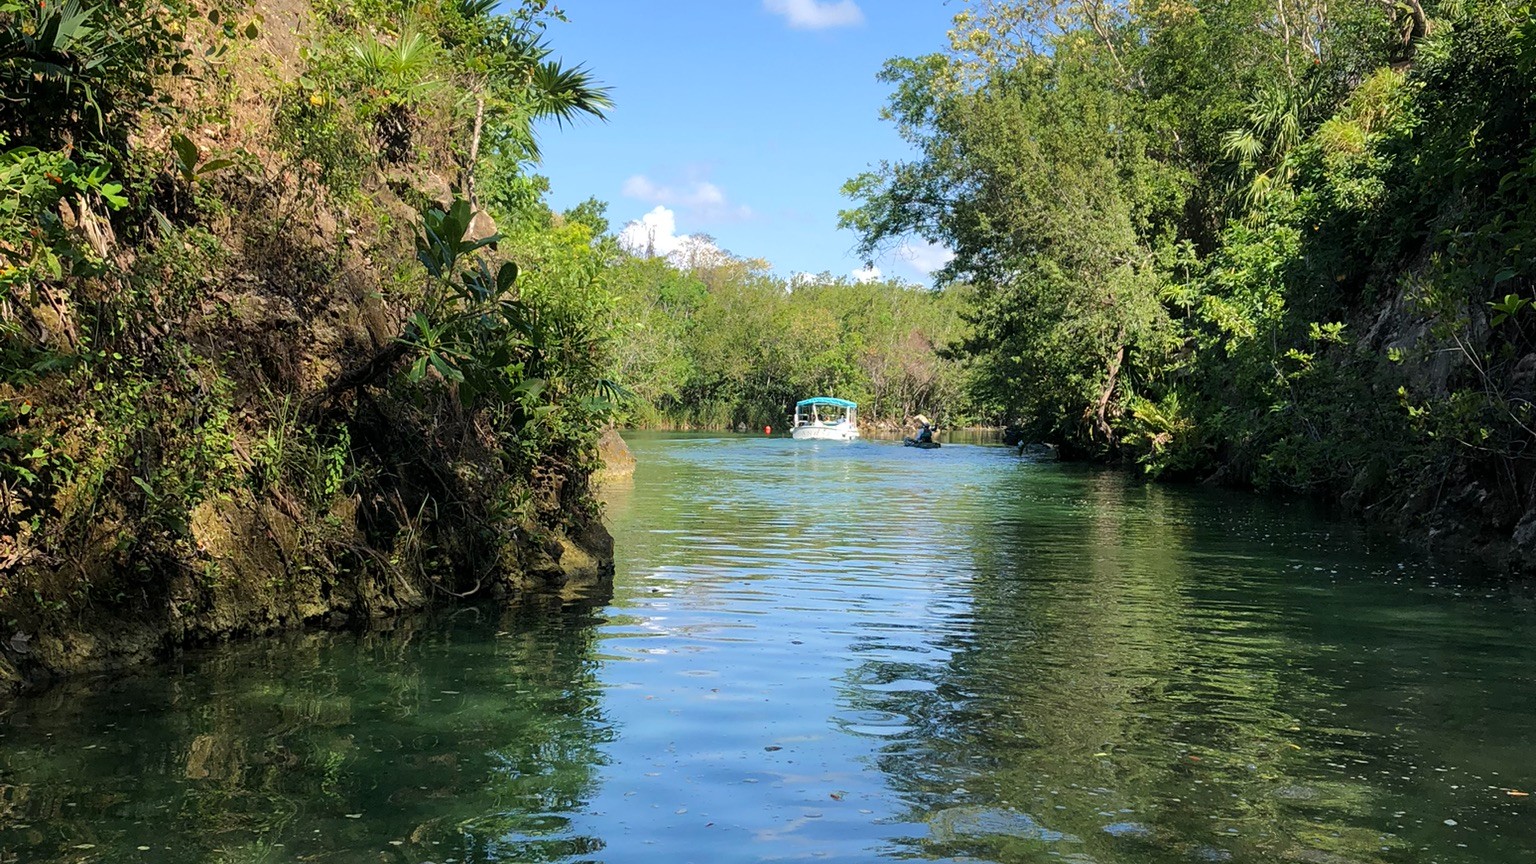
824, 433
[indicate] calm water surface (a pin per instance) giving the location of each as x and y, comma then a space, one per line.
843, 653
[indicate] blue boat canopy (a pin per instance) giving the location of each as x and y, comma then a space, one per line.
826, 400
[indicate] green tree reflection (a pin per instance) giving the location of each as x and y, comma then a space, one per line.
1121, 689
474, 738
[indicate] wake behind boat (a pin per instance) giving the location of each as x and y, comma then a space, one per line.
824, 418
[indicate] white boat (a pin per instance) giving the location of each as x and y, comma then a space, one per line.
824, 418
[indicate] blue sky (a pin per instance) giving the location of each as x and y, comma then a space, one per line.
740, 119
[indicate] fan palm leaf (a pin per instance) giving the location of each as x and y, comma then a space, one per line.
472, 10
403, 64
566, 93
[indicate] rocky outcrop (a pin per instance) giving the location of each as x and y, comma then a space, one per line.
1522, 551
257, 577
618, 460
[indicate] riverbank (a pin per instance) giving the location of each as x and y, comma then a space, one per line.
256, 581
267, 358
1309, 278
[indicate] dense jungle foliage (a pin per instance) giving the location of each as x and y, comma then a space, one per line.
253, 291
1284, 243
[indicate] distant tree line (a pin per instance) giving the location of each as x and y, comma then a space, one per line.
706, 339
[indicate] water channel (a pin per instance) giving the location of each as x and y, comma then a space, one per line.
842, 652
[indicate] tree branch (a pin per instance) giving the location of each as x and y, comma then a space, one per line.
376, 367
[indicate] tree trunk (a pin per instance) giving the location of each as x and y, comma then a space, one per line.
474, 155
1101, 411
1416, 31
1420, 22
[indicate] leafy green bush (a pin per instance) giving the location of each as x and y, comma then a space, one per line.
80, 72
1269, 253
324, 135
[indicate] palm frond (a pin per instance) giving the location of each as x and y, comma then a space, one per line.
1242, 145
473, 10
403, 64
565, 93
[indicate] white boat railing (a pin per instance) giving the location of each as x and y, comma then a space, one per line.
840, 422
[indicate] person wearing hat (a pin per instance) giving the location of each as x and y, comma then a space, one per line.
924, 430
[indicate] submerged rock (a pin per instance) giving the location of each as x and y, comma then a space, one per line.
1295, 793
1127, 829
972, 821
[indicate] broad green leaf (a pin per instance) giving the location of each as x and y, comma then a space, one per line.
185, 151
506, 277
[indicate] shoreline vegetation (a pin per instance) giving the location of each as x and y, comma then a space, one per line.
709, 340
1277, 246
290, 335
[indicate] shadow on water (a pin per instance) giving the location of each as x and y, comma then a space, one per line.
471, 736
844, 652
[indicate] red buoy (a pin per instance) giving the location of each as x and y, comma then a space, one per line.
767, 430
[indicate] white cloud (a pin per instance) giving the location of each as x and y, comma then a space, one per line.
707, 195
866, 274
655, 233
706, 199
816, 14
923, 256
640, 186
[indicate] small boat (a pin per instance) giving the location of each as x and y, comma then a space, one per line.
921, 445
823, 418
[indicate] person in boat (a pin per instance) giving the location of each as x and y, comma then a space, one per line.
924, 430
